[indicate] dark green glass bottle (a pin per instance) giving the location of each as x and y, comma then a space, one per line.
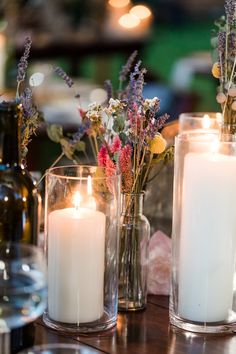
19, 199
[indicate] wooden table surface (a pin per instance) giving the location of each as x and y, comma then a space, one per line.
143, 332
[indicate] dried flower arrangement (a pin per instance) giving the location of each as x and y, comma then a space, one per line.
224, 68
31, 117
124, 133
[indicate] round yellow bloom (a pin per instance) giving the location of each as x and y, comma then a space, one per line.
216, 70
157, 145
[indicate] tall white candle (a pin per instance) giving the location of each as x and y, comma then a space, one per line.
76, 246
208, 237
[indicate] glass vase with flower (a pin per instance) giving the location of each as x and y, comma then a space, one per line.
125, 135
224, 69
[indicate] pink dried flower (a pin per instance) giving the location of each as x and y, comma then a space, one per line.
82, 112
116, 145
110, 167
103, 156
135, 120
126, 168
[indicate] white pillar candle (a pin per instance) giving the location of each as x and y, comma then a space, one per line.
208, 237
76, 246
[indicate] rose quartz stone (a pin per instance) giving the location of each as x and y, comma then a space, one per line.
159, 265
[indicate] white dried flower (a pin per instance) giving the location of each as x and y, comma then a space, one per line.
232, 91
115, 105
94, 110
220, 98
151, 103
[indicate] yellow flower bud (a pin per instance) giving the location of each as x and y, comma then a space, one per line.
216, 70
157, 145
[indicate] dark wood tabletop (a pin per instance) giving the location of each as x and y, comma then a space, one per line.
142, 332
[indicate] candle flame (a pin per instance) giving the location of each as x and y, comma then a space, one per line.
77, 200
206, 123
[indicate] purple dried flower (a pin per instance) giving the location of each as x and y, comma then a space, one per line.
109, 89
23, 63
127, 67
221, 41
26, 100
139, 85
232, 45
136, 85
230, 10
81, 131
60, 72
160, 122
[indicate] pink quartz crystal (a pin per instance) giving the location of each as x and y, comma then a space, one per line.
159, 266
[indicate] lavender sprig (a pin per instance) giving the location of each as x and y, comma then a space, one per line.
30, 121
26, 100
23, 64
127, 67
109, 89
136, 84
230, 10
81, 131
60, 72
160, 122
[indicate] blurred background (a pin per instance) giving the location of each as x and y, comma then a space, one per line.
92, 39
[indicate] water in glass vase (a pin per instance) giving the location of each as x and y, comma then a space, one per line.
133, 254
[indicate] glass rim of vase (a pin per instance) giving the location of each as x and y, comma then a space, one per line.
52, 346
53, 172
196, 137
200, 115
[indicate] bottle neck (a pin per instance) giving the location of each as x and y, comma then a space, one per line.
132, 204
10, 118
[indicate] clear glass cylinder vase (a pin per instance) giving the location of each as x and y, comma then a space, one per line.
203, 297
200, 122
82, 232
133, 254
228, 131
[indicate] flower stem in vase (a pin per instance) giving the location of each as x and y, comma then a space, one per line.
134, 240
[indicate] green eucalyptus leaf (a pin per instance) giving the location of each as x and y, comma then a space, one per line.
214, 42
214, 56
116, 156
119, 124
123, 138
80, 146
55, 132
67, 148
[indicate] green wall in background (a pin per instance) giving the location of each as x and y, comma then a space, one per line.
166, 45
